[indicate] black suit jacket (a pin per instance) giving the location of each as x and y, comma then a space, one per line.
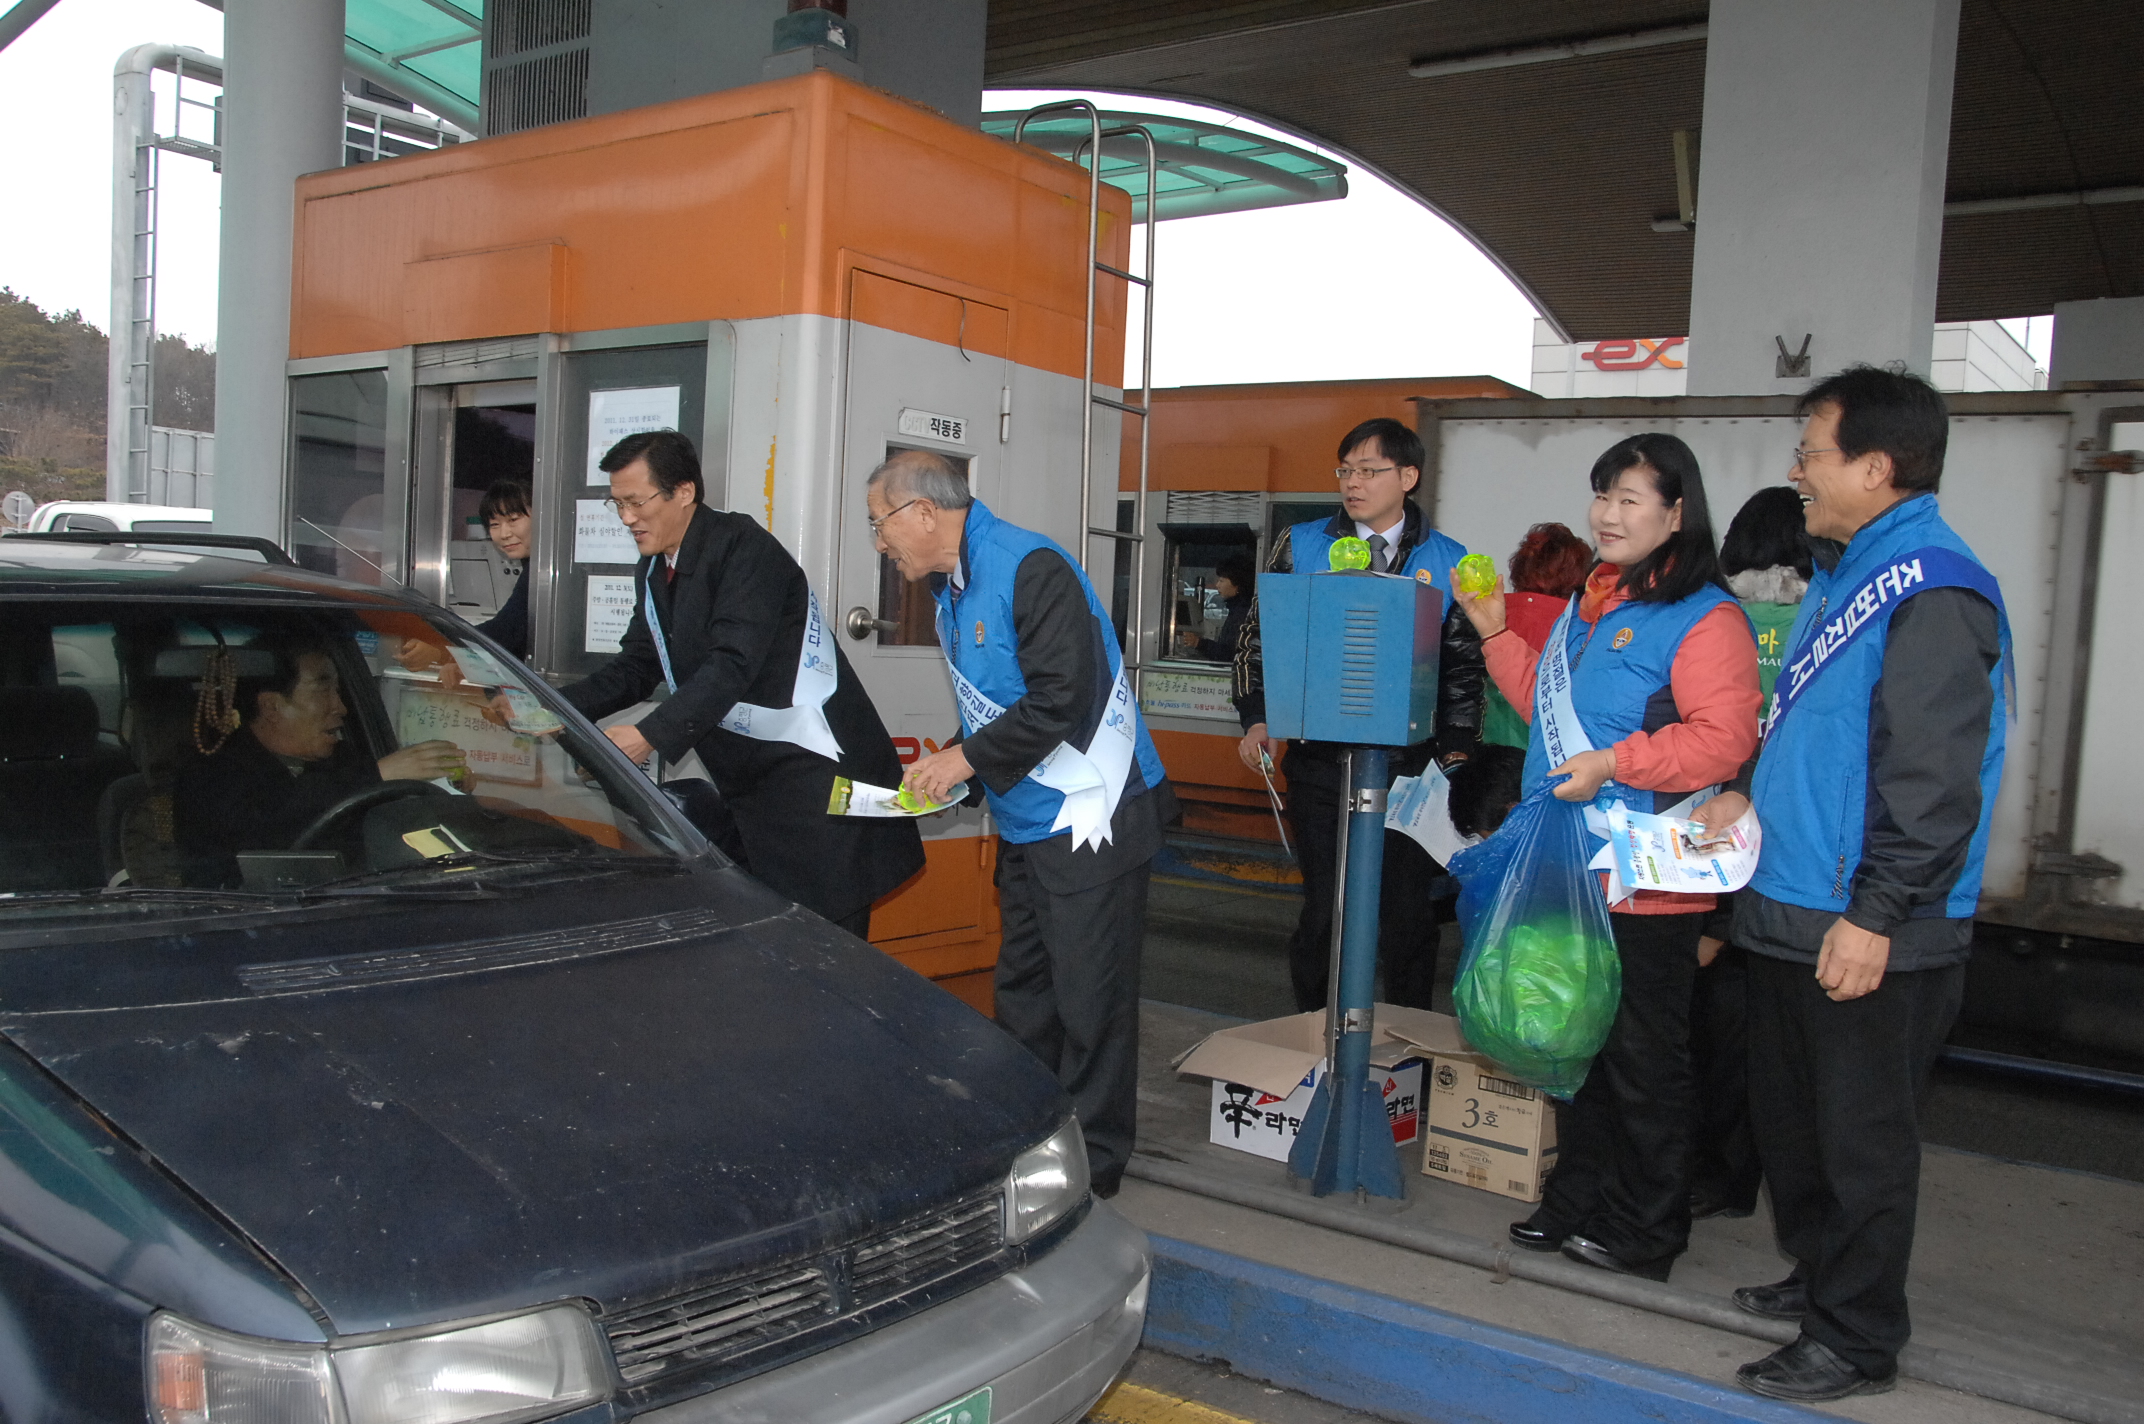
733, 616
244, 798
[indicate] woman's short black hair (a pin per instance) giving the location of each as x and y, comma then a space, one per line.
506, 499
1394, 441
1239, 570
1688, 560
671, 459
1767, 532
1892, 411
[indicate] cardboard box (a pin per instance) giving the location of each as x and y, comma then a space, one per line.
1264, 1075
1486, 1129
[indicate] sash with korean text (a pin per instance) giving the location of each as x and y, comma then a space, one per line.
803, 723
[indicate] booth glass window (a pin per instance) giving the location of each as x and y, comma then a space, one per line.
909, 606
338, 463
1195, 624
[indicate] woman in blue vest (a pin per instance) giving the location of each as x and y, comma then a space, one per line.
1662, 702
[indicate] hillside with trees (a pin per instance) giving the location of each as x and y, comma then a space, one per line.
52, 417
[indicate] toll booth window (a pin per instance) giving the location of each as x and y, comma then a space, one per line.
1211, 570
909, 606
338, 490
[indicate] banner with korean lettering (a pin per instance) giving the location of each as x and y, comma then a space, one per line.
1870, 606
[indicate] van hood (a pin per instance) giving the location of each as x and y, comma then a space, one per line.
432, 1113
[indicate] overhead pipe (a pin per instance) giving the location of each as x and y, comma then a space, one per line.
1552, 53
20, 18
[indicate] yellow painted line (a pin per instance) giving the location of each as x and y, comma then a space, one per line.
1190, 884
1135, 1404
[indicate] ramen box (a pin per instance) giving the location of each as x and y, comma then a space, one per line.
1265, 1073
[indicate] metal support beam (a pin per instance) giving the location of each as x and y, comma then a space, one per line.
283, 117
20, 18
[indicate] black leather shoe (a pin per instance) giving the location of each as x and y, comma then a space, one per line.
1704, 1208
1808, 1373
1535, 1238
1785, 1300
1592, 1253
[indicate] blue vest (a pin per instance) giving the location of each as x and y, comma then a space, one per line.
975, 630
1435, 555
1620, 680
1812, 784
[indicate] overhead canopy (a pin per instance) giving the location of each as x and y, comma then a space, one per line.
431, 50
1201, 168
1559, 167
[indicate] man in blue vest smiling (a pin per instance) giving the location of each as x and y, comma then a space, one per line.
1380, 466
1874, 787
1050, 728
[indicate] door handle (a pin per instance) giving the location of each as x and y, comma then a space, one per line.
862, 625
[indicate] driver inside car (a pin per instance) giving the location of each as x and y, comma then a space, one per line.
270, 757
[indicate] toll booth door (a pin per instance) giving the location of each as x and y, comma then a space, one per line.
470, 439
583, 606
926, 370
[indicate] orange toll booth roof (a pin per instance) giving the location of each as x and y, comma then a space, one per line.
1276, 436
752, 202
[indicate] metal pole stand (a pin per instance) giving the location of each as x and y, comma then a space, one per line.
1346, 1140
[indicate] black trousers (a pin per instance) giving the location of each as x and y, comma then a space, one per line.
1407, 918
1835, 1093
1068, 989
1723, 1152
1623, 1141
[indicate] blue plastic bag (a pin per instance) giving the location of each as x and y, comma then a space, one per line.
1540, 979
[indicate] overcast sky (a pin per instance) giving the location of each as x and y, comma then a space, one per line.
1374, 285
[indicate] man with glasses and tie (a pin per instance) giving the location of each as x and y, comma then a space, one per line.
725, 620
1380, 465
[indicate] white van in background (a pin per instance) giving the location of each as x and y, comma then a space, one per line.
106, 517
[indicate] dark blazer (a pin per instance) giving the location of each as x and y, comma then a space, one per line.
509, 627
244, 798
733, 614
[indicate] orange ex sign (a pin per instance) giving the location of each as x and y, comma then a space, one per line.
1634, 355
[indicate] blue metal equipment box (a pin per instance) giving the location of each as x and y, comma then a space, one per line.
1350, 657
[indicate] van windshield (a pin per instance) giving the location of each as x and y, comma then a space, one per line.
168, 759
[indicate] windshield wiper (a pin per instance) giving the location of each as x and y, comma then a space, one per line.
367, 882
147, 893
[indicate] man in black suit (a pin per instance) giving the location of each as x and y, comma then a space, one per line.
725, 618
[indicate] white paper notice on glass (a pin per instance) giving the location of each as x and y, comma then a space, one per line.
613, 415
598, 537
610, 611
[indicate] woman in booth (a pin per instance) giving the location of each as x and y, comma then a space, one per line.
1663, 696
508, 520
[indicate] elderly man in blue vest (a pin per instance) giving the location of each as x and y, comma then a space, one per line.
1051, 730
1875, 786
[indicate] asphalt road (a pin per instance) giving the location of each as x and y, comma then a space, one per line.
1225, 950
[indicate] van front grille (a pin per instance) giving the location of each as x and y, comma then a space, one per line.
774, 1314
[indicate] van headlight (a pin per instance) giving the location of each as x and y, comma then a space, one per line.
1046, 1182
501, 1372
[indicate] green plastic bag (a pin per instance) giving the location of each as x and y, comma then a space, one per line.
1540, 978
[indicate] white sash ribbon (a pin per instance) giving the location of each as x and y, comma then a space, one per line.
803, 723
1091, 781
1563, 736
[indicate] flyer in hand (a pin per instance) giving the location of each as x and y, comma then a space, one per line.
860, 798
1683, 857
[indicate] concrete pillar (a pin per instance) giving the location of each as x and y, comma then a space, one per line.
2097, 341
1820, 187
282, 116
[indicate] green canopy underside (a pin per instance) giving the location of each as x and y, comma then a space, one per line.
1201, 168
434, 46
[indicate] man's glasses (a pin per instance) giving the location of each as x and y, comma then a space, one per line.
1801, 456
879, 523
1369, 472
627, 506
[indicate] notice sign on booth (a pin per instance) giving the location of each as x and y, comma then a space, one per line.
1187, 694
613, 415
610, 611
598, 537
933, 426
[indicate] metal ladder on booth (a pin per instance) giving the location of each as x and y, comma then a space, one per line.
1135, 621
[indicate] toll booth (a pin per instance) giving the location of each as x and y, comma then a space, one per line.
1231, 467
804, 276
